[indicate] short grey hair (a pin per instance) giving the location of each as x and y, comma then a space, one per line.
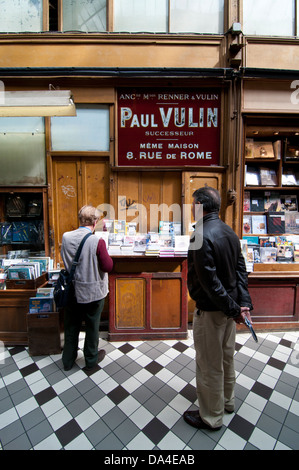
88, 215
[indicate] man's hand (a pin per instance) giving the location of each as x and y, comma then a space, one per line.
245, 313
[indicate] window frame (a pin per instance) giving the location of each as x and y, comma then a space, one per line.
110, 19
295, 26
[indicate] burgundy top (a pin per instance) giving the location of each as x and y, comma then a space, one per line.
105, 261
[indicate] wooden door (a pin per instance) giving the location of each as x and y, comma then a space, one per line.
137, 194
76, 181
193, 181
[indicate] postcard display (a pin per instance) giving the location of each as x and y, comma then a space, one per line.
270, 240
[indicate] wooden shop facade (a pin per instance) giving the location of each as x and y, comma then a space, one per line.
158, 115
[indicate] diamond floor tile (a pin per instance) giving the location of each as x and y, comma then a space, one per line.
135, 399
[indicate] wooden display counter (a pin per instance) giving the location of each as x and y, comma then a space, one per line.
274, 291
148, 298
14, 306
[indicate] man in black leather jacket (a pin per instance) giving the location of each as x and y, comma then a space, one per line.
217, 281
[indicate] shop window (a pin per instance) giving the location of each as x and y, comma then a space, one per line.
84, 15
198, 16
174, 16
22, 151
140, 15
269, 17
88, 131
21, 16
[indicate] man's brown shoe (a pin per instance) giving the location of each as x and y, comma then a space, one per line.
193, 418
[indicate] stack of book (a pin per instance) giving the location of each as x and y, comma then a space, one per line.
152, 245
264, 201
270, 249
43, 302
181, 245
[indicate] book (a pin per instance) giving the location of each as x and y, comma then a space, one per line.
165, 227
289, 178
249, 148
20, 272
115, 239
268, 254
253, 254
292, 222
44, 262
277, 149
247, 224
244, 248
15, 206
259, 224
268, 176
267, 241
35, 207
45, 292
177, 228
263, 150
166, 252
289, 202
257, 202
108, 225
181, 245
166, 240
53, 276
285, 253
251, 240
120, 226
272, 201
104, 235
252, 176
25, 232
276, 222
246, 201
6, 233
291, 149
152, 244
131, 228
140, 243
41, 304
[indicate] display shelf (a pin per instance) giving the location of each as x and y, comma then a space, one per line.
148, 298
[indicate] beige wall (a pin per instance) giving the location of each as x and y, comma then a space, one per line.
98, 52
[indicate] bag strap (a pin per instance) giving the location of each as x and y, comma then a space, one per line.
75, 262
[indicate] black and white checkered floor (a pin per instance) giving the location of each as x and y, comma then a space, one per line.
136, 398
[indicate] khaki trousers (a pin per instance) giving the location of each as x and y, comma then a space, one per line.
214, 341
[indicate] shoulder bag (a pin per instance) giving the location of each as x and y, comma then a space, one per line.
64, 289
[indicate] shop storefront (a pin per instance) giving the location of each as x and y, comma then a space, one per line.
137, 153
159, 113
270, 200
